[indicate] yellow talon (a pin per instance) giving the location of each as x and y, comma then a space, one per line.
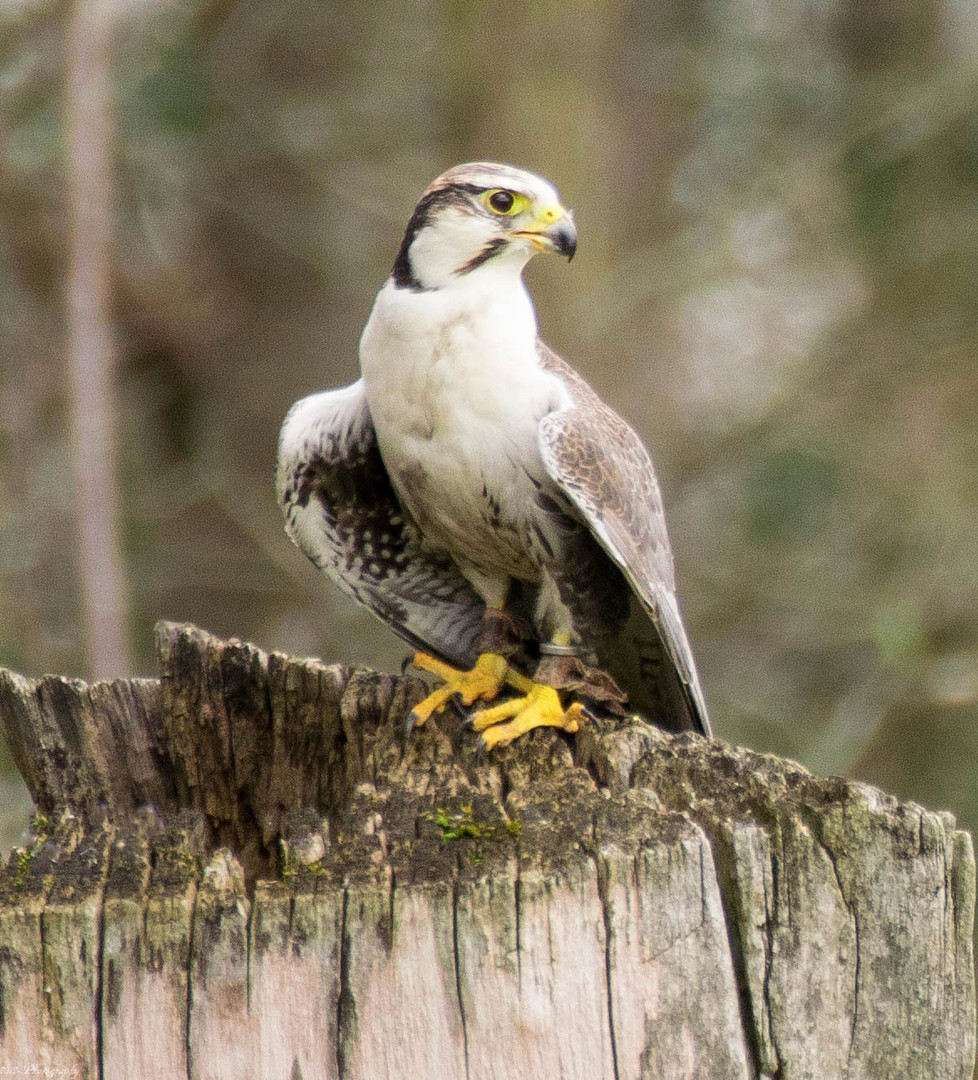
540, 707
482, 683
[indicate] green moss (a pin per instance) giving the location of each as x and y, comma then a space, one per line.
461, 824
40, 827
24, 856
292, 867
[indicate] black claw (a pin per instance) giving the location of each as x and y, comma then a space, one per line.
588, 715
410, 723
407, 662
481, 751
458, 705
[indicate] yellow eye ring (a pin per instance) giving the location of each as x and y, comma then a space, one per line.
503, 202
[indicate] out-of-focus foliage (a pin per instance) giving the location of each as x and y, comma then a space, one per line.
777, 285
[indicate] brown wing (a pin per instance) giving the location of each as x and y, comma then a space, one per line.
604, 469
341, 510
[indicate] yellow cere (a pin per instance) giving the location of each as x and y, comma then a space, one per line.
549, 214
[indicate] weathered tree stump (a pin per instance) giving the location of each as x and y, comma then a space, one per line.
246, 869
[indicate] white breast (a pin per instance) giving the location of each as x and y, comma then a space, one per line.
456, 393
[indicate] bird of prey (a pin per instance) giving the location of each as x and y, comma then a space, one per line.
473, 491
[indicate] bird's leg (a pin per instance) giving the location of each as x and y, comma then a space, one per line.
497, 640
539, 706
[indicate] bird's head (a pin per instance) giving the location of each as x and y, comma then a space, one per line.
481, 215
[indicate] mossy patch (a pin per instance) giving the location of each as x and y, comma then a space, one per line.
461, 824
22, 857
292, 866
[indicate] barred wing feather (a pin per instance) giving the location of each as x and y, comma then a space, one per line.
341, 511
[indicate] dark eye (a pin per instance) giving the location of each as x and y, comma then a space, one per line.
502, 201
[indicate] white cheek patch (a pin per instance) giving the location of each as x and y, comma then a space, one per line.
449, 240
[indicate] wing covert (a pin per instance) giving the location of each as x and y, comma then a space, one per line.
603, 468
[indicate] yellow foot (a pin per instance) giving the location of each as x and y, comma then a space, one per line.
482, 683
540, 707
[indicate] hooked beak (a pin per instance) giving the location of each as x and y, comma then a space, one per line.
553, 229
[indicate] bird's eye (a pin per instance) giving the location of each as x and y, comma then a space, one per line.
501, 201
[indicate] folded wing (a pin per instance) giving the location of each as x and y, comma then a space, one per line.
606, 472
341, 511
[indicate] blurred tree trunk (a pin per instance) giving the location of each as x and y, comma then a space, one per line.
90, 186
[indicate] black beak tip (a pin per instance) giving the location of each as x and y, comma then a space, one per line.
565, 237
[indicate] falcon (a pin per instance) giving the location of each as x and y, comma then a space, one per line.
473, 491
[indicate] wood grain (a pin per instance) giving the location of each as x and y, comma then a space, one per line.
246, 869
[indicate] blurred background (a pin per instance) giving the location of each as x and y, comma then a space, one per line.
777, 285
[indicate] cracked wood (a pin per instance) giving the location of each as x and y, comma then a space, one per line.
245, 869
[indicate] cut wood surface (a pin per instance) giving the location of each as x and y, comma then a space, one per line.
245, 869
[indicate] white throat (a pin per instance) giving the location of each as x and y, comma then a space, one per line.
456, 393
436, 362
418, 341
